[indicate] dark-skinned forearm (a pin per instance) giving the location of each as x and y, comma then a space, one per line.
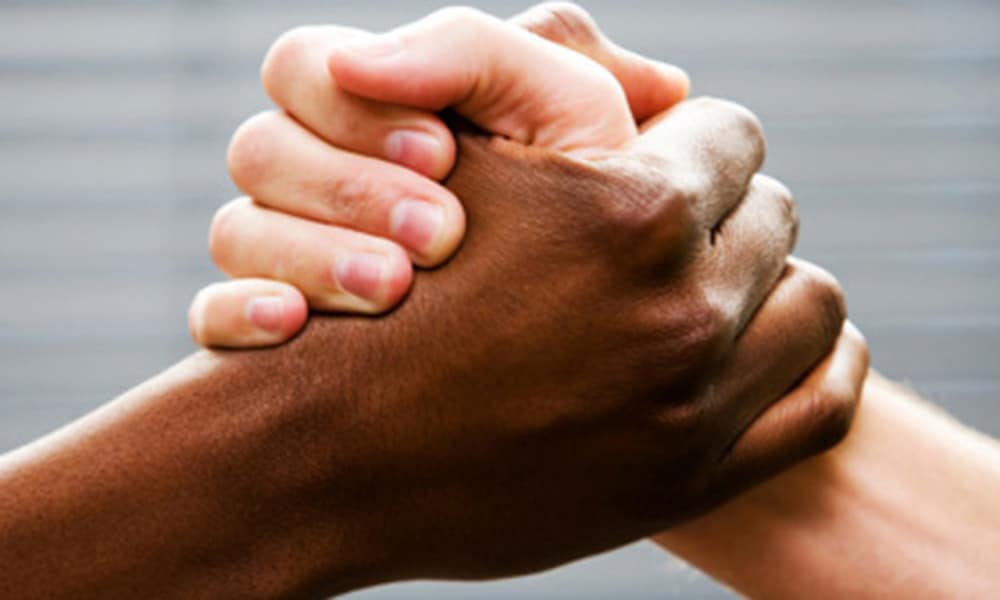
170, 491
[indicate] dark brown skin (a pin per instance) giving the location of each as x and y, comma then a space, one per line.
582, 374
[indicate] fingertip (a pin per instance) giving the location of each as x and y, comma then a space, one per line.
368, 282
430, 249
280, 314
654, 86
195, 317
246, 313
297, 312
426, 147
454, 232
445, 162
398, 282
677, 82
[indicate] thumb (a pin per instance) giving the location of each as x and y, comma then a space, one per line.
650, 86
496, 74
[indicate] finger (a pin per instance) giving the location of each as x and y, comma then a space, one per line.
751, 245
712, 147
246, 313
499, 76
336, 269
650, 86
810, 419
796, 326
294, 74
283, 166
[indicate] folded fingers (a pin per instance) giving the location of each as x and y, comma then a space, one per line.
337, 269
284, 167
294, 74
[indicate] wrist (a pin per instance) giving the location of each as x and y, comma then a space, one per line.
178, 489
274, 502
906, 495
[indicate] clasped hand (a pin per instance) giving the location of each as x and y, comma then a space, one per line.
618, 342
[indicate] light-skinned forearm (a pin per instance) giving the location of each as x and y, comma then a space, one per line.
905, 507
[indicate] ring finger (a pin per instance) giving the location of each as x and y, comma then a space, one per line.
337, 269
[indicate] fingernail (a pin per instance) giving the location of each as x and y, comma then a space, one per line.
416, 224
361, 274
374, 47
266, 313
414, 149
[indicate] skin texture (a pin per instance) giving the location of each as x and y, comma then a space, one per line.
857, 521
315, 161
469, 433
905, 507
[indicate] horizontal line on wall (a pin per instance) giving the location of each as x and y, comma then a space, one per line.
952, 63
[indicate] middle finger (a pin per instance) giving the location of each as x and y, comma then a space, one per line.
283, 166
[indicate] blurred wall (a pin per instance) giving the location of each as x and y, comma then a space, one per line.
883, 117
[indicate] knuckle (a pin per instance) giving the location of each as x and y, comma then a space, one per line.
250, 154
740, 120
857, 340
223, 233
349, 197
785, 201
650, 210
461, 16
283, 57
355, 197
705, 333
832, 412
564, 23
682, 193
826, 297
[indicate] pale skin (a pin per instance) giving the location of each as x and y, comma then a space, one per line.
860, 521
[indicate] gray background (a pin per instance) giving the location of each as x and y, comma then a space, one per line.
883, 117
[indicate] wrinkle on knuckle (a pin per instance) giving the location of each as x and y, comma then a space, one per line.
349, 197
649, 209
703, 331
